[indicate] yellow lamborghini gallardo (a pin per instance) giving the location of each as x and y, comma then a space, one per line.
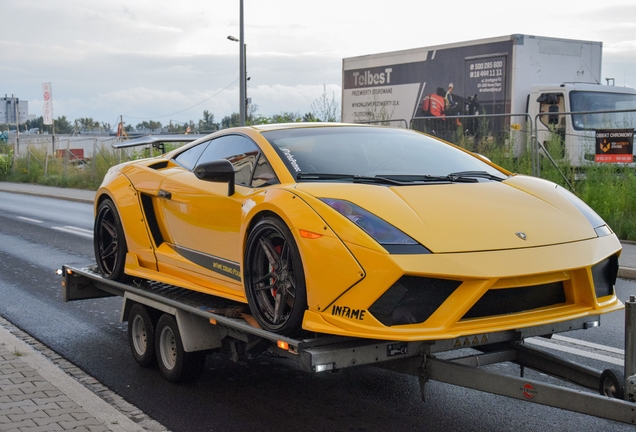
357, 230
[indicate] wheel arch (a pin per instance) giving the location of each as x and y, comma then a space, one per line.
317, 254
128, 205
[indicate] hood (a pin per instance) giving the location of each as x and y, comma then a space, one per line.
469, 217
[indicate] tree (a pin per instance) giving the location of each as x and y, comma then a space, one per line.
88, 123
63, 126
324, 109
309, 117
207, 124
152, 125
35, 123
285, 117
231, 121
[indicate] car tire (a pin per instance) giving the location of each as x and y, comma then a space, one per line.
274, 278
109, 242
141, 335
175, 364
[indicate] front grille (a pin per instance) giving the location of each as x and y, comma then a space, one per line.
412, 300
604, 275
519, 299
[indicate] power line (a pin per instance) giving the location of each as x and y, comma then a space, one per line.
187, 109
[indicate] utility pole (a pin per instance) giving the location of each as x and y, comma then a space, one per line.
243, 73
17, 123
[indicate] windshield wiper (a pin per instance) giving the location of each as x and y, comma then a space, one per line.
403, 179
466, 175
352, 177
426, 178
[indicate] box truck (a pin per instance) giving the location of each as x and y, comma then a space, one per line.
516, 76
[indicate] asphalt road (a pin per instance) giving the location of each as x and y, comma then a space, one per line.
38, 235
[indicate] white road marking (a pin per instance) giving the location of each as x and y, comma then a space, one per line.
544, 343
589, 344
75, 230
29, 219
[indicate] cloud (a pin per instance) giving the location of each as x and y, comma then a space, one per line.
160, 60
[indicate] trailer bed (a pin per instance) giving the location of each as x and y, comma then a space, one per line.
207, 322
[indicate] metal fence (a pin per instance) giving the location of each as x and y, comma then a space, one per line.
555, 138
67, 152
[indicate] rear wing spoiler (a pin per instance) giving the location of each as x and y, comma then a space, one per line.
157, 140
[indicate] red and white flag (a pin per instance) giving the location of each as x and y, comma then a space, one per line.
48, 103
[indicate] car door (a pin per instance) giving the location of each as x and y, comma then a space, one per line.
202, 220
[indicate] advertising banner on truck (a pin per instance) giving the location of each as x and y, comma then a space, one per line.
615, 145
457, 80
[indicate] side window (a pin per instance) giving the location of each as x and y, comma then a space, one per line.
189, 158
552, 103
263, 173
241, 152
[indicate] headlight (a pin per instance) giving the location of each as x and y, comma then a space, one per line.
597, 222
391, 238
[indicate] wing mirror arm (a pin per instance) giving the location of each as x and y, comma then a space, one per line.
218, 171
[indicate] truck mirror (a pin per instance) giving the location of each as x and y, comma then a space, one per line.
553, 118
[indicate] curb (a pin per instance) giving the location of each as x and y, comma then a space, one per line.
627, 273
49, 195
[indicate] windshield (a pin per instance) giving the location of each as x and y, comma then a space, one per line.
370, 152
599, 101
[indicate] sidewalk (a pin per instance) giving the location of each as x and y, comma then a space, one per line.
40, 391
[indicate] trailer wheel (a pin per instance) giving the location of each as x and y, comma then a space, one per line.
175, 364
109, 242
141, 335
612, 383
274, 279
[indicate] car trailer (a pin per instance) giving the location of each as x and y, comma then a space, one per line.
176, 328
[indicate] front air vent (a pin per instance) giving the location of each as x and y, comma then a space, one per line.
412, 300
604, 275
519, 299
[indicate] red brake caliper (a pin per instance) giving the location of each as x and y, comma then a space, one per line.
279, 250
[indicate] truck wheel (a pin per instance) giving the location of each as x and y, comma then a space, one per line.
612, 383
141, 335
109, 242
274, 278
175, 364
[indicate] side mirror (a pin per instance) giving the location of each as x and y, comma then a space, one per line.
220, 171
553, 119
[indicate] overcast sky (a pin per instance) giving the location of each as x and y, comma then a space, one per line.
171, 60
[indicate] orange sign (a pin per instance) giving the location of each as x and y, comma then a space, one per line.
615, 145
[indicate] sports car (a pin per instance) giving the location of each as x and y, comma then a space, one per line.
354, 230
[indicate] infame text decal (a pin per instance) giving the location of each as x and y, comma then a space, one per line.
346, 311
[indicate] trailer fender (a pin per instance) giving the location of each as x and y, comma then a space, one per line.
197, 334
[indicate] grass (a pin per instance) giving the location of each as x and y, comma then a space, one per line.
610, 189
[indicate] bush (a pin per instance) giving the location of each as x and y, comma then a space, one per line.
6, 162
609, 189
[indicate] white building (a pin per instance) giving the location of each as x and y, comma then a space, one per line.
10, 107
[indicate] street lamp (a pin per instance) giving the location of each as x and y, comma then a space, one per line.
242, 73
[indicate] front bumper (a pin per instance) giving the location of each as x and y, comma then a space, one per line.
443, 296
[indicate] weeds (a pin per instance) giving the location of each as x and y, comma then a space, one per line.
610, 189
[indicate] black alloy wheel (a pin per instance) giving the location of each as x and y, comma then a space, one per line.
274, 278
109, 242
